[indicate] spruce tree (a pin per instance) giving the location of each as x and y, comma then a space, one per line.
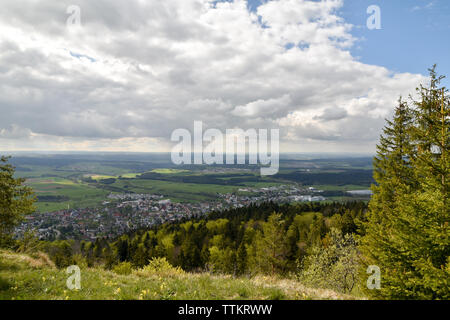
423, 238
392, 168
392, 173
241, 259
407, 233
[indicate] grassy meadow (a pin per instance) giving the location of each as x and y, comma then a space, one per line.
23, 277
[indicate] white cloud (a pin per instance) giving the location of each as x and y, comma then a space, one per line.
264, 108
137, 70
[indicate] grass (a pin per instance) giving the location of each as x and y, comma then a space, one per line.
35, 278
79, 194
340, 188
169, 171
174, 190
99, 177
133, 175
130, 175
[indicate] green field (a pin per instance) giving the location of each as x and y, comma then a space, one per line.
187, 192
348, 187
86, 180
79, 194
169, 171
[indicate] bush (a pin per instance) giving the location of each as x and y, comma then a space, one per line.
80, 261
160, 266
29, 243
123, 268
334, 266
277, 294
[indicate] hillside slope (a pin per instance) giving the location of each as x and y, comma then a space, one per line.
36, 278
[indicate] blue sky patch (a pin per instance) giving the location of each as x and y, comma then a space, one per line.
79, 56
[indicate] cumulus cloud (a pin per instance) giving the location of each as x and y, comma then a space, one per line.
14, 132
136, 70
332, 114
264, 108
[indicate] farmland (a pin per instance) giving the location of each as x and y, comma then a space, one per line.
55, 193
80, 181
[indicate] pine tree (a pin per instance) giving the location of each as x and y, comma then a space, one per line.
270, 246
407, 233
140, 258
317, 230
423, 240
392, 168
432, 136
123, 252
97, 248
392, 173
241, 259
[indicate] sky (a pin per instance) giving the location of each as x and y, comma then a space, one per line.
133, 71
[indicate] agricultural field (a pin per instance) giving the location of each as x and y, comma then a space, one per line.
56, 193
79, 181
169, 171
185, 192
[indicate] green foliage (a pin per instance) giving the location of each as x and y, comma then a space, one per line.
268, 252
259, 240
22, 279
277, 295
407, 233
16, 200
123, 268
140, 257
221, 260
29, 243
161, 267
60, 252
80, 261
333, 265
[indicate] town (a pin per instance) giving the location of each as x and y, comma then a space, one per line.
125, 212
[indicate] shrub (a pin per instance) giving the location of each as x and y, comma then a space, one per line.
123, 268
29, 243
334, 266
277, 294
160, 266
80, 261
